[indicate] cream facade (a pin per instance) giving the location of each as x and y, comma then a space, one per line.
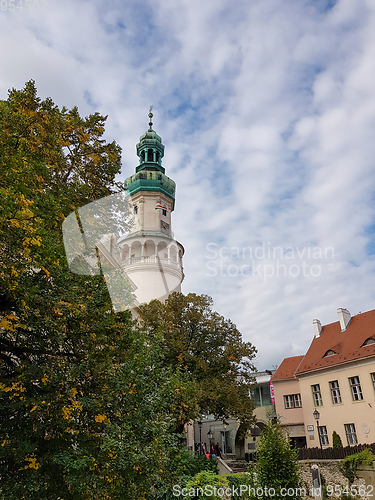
350, 414
288, 405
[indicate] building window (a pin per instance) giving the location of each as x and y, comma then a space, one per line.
356, 388
135, 210
335, 392
368, 341
329, 353
261, 395
323, 436
317, 395
373, 379
164, 212
351, 435
292, 401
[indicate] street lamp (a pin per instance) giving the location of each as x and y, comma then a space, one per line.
316, 415
200, 423
210, 436
225, 424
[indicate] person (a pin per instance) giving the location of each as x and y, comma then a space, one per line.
203, 448
212, 449
218, 450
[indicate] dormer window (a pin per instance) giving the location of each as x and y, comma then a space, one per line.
368, 341
329, 353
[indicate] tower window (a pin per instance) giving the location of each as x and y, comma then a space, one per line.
150, 155
164, 212
135, 210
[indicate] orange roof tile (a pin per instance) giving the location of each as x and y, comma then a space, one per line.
347, 344
287, 368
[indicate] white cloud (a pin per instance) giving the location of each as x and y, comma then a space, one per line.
267, 112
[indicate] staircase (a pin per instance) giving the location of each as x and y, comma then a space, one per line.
236, 465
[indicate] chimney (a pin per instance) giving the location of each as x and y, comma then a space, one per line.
317, 328
344, 317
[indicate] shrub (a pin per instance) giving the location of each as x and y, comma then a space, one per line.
336, 440
348, 466
277, 463
206, 482
186, 466
236, 480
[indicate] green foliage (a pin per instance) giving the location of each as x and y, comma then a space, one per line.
323, 484
336, 440
207, 481
348, 466
185, 466
209, 348
277, 461
190, 464
87, 404
245, 479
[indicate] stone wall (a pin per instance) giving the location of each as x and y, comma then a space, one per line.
330, 472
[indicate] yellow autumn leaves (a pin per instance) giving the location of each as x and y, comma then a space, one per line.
10, 323
101, 418
33, 464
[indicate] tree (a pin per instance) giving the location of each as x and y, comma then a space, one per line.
86, 402
209, 348
277, 463
336, 440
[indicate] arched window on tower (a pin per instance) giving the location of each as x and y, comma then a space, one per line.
150, 155
142, 157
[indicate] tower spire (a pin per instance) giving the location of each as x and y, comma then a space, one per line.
150, 115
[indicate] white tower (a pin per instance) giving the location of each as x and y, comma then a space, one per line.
150, 256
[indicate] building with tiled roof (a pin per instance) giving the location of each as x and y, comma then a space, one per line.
335, 379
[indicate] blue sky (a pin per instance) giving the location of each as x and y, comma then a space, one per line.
267, 113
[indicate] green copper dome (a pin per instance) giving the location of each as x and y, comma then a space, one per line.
149, 174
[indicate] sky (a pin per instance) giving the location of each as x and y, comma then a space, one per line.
266, 109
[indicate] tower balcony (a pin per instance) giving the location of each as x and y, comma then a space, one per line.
154, 263
150, 180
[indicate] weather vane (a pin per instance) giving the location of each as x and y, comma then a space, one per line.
150, 116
